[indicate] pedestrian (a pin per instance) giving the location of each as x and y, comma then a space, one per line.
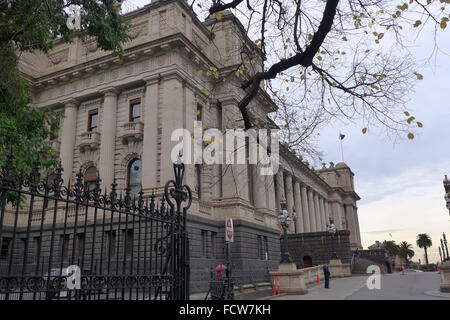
326, 274
357, 255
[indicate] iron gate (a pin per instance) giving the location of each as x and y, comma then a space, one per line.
128, 247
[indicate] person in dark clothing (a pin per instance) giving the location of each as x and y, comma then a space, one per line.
326, 274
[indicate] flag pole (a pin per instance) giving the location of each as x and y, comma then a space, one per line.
342, 148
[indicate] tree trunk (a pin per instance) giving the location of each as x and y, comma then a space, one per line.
426, 255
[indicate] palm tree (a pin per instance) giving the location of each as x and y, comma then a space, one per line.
405, 251
391, 247
424, 241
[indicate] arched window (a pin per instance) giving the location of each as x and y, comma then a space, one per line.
90, 177
50, 182
134, 176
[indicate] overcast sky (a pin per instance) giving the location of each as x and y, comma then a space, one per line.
400, 182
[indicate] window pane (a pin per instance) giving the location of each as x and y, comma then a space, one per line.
135, 112
135, 173
93, 119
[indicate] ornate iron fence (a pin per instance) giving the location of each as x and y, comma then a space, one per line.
123, 246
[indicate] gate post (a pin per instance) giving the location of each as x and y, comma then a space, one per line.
176, 190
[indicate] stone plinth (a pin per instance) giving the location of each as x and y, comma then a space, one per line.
291, 279
445, 276
339, 269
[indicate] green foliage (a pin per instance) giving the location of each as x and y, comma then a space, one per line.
405, 251
391, 247
424, 241
28, 25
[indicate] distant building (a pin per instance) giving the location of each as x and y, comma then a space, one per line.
376, 245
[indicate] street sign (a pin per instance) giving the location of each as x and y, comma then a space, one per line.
229, 233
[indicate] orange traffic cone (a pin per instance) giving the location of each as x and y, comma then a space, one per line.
382, 267
439, 268
318, 278
403, 270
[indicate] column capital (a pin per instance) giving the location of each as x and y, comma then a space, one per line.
71, 103
110, 91
153, 79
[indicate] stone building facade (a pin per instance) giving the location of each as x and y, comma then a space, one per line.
120, 115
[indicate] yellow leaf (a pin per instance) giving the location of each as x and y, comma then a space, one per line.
364, 130
218, 15
419, 124
418, 75
410, 136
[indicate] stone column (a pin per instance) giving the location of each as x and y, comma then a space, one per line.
358, 232
312, 211
317, 209
327, 212
298, 207
149, 145
280, 188
172, 117
289, 196
235, 180
351, 226
337, 215
305, 209
322, 214
344, 225
259, 187
289, 193
270, 187
108, 137
68, 135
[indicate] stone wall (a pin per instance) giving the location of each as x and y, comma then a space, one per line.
318, 246
247, 262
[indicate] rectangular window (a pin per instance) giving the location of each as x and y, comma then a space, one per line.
128, 241
213, 244
92, 120
260, 247
199, 113
5, 248
37, 244
266, 248
198, 172
135, 110
64, 242
111, 243
203, 244
80, 245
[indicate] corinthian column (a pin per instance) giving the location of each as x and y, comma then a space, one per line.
279, 192
318, 216
108, 137
68, 134
298, 207
288, 191
312, 211
322, 213
305, 209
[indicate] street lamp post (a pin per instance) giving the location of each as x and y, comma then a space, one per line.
285, 221
332, 231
